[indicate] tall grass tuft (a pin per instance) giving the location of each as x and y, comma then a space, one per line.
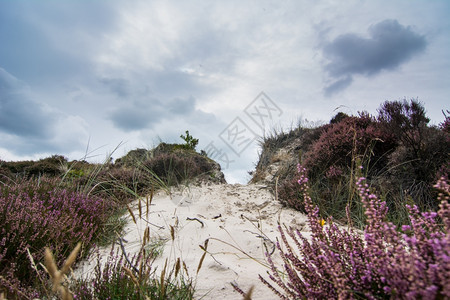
135, 278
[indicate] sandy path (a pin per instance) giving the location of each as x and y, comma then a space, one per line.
235, 214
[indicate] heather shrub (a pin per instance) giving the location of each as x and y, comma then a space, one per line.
406, 120
426, 147
120, 184
331, 160
433, 154
43, 168
178, 166
53, 166
133, 158
50, 166
5, 173
382, 262
341, 142
172, 168
338, 117
445, 125
37, 213
17, 167
422, 150
289, 195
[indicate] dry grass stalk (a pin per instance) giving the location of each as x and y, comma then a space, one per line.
163, 287
56, 275
204, 248
248, 295
146, 236
131, 275
141, 269
185, 269
131, 214
177, 267
149, 200
172, 232
140, 208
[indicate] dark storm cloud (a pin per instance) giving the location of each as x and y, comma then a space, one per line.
389, 45
19, 115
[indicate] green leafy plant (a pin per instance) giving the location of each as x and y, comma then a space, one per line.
191, 142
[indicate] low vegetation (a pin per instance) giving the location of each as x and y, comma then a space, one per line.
57, 204
383, 262
379, 222
402, 156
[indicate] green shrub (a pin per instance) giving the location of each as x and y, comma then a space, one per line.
190, 142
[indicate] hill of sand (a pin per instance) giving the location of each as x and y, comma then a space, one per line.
240, 222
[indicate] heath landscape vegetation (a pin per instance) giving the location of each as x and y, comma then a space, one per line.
374, 190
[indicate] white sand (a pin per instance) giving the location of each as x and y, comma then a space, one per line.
235, 214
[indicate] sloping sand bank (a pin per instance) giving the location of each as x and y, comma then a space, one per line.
240, 222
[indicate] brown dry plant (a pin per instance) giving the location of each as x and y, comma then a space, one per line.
58, 276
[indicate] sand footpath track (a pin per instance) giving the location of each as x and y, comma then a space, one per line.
231, 216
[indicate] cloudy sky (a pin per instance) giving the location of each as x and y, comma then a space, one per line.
81, 77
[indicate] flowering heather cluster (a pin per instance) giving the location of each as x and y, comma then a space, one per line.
340, 142
35, 214
383, 262
109, 282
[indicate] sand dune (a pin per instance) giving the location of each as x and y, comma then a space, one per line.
240, 222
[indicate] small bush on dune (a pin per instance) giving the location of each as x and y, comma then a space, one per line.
422, 150
17, 167
173, 168
37, 213
415, 171
50, 166
382, 263
289, 194
445, 126
6, 175
133, 157
120, 184
190, 142
343, 141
